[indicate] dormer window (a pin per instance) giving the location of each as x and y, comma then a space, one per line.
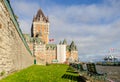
41, 18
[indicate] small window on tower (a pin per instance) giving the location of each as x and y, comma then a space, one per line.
0, 26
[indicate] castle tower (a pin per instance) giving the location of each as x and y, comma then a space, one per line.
40, 27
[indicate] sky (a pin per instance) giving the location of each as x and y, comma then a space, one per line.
94, 25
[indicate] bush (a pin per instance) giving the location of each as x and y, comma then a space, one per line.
99, 63
2, 73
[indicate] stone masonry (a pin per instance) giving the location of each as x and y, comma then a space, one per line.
14, 54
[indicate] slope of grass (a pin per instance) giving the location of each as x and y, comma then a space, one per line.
36, 73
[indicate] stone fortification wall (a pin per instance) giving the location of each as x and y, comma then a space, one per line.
14, 53
50, 56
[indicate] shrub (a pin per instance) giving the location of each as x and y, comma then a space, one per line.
2, 73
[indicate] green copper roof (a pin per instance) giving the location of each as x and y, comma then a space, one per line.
68, 47
60, 42
65, 42
27, 37
73, 46
38, 40
15, 22
51, 46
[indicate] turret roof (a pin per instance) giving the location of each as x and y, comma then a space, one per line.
73, 46
60, 42
40, 16
65, 42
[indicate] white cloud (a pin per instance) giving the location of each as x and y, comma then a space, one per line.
25, 11
25, 25
95, 28
23, 8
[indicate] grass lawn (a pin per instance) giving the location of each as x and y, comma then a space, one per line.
37, 73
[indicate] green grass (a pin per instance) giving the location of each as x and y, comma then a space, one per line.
50, 73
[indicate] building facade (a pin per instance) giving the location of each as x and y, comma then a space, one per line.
40, 47
40, 27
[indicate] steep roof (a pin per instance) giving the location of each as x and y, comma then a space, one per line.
73, 46
60, 42
51, 46
40, 16
65, 42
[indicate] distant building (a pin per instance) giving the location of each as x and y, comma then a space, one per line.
111, 58
40, 47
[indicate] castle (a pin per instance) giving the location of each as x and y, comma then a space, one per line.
15, 48
18, 52
39, 45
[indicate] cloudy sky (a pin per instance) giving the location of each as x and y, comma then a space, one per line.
94, 25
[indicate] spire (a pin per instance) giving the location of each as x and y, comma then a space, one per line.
40, 13
40, 16
65, 42
73, 46
60, 43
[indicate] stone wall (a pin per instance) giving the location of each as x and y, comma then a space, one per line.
30, 44
14, 55
50, 55
68, 54
39, 52
74, 54
41, 30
